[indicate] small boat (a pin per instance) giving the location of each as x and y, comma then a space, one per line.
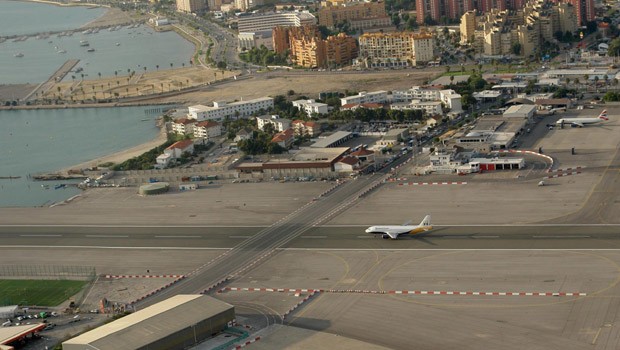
47, 187
84, 43
19, 54
118, 44
91, 50
59, 186
87, 31
62, 51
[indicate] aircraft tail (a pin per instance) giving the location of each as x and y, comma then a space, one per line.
603, 115
426, 221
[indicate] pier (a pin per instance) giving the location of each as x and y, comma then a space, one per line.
57, 76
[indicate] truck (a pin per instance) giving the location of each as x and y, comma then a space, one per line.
211, 177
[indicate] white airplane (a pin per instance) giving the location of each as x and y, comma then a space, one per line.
580, 122
394, 231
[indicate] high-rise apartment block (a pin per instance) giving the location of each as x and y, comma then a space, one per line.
360, 15
191, 6
395, 49
308, 49
498, 32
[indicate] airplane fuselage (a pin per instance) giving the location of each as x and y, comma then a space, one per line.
400, 230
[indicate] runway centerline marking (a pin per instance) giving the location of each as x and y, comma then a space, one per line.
107, 236
177, 236
313, 237
40, 235
239, 236
583, 236
485, 236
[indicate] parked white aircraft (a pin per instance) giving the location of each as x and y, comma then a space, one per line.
580, 122
394, 231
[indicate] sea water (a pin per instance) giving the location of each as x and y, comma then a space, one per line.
115, 52
47, 140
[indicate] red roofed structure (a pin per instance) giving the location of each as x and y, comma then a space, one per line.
284, 138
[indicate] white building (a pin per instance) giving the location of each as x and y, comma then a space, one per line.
249, 40
174, 151
310, 107
452, 100
183, 126
416, 93
268, 21
430, 107
221, 110
207, 129
304, 128
365, 97
279, 124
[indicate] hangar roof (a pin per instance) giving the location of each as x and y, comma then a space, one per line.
154, 322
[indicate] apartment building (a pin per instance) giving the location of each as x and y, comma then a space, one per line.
311, 107
279, 124
395, 49
365, 97
183, 126
191, 6
355, 13
448, 97
207, 129
267, 21
468, 26
303, 128
308, 49
429, 107
221, 110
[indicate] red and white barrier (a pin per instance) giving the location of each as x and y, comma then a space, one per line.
561, 175
432, 183
247, 343
298, 304
157, 290
530, 152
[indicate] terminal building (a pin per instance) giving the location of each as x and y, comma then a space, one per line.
175, 323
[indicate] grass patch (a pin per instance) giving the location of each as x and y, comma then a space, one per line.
38, 292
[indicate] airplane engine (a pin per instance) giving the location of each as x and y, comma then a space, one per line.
386, 236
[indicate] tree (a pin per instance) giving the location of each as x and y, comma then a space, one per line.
157, 66
99, 75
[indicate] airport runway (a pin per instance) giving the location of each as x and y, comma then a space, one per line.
550, 236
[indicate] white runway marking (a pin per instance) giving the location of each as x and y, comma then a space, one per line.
177, 236
239, 236
561, 236
107, 247
365, 237
485, 236
313, 236
40, 235
107, 236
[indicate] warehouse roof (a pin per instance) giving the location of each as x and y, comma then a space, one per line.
154, 322
14, 333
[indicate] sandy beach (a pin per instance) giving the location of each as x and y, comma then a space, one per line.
121, 156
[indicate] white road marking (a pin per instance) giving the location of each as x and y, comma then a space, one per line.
40, 235
107, 247
561, 236
485, 236
365, 237
313, 236
240, 236
177, 237
107, 236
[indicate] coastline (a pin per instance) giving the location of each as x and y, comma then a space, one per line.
120, 156
68, 4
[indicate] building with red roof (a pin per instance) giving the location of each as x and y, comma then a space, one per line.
207, 129
284, 138
303, 128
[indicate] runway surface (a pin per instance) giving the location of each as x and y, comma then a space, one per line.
326, 237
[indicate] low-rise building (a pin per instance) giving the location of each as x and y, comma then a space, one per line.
284, 138
244, 134
354, 106
183, 126
310, 107
279, 124
303, 128
393, 137
347, 164
207, 129
221, 110
174, 151
520, 111
429, 107
365, 97
334, 140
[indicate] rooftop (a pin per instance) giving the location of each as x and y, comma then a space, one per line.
183, 144
157, 321
329, 140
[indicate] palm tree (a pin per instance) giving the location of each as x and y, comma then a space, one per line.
73, 78
171, 64
116, 73
162, 87
99, 75
183, 64
157, 66
144, 69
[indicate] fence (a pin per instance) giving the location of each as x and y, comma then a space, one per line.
48, 272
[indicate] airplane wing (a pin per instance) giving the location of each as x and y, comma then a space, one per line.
577, 124
392, 233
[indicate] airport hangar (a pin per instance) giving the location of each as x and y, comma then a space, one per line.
175, 323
